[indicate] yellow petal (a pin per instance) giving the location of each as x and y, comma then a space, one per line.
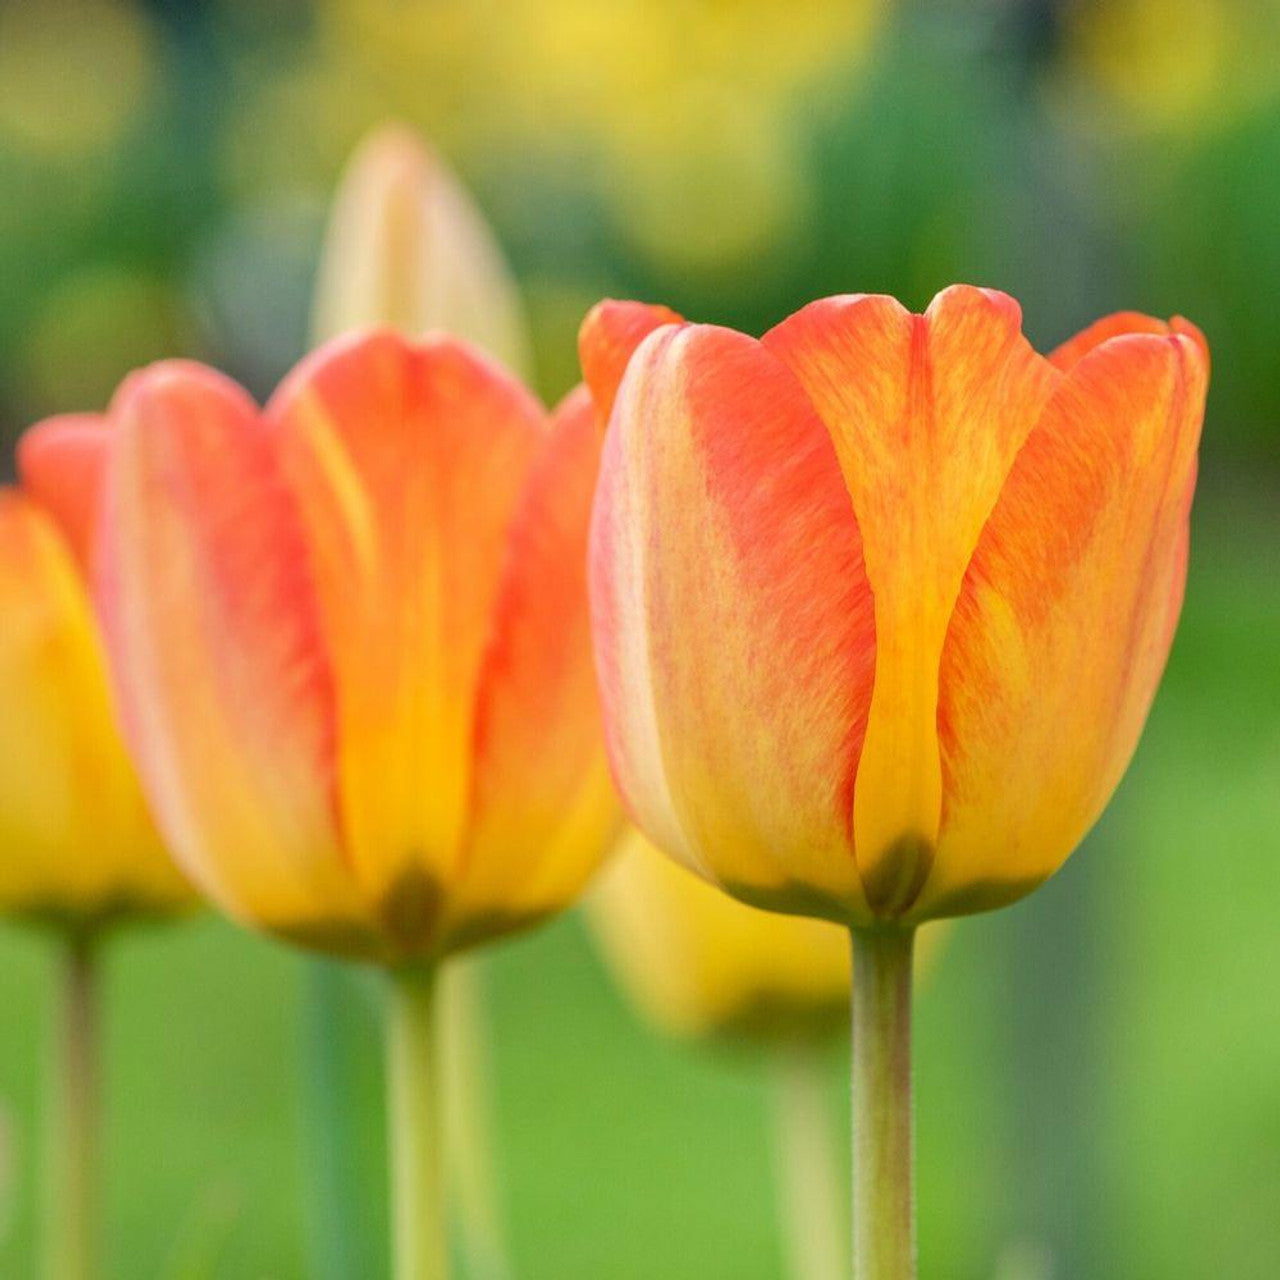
1065, 619
75, 838
408, 462
211, 623
927, 414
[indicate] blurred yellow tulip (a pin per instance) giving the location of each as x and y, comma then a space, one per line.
76, 843
698, 963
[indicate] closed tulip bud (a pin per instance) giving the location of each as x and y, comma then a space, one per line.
408, 249
881, 600
77, 846
350, 638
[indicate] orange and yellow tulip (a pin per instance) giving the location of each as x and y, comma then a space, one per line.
881, 600
77, 846
350, 642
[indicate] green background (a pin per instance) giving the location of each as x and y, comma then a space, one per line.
1099, 1066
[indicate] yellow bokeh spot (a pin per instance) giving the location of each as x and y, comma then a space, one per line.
73, 74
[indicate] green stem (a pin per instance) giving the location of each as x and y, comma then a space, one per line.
810, 1184
71, 1209
883, 1194
419, 1245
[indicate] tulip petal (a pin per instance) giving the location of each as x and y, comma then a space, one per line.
75, 837
927, 414
728, 592
1071, 352
60, 463
1065, 620
211, 623
608, 339
544, 810
408, 462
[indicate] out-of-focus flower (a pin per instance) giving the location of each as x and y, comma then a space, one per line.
1179, 65
350, 639
73, 74
698, 963
408, 248
881, 600
76, 844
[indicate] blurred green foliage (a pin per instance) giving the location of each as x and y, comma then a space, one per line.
1099, 1082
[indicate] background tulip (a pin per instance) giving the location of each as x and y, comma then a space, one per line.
350, 639
78, 851
880, 603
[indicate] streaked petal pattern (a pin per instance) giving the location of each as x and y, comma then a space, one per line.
212, 626
609, 336
727, 582
1066, 617
408, 462
927, 414
967, 631
542, 806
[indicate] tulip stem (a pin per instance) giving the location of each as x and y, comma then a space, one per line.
71, 1207
810, 1187
419, 1241
883, 1194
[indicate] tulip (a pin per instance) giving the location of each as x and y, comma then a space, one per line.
349, 638
78, 851
407, 248
880, 603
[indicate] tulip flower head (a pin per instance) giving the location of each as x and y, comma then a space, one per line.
350, 639
77, 846
881, 600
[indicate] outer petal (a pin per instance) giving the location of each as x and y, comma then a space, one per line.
697, 962
60, 464
75, 838
607, 340
408, 462
407, 248
732, 621
210, 621
1071, 352
927, 414
1065, 621
543, 808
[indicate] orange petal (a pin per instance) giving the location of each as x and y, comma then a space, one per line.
60, 463
211, 623
544, 810
608, 339
927, 414
1066, 617
732, 620
1071, 352
408, 462
75, 837
408, 248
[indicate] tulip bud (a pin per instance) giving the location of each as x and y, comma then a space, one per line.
408, 249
